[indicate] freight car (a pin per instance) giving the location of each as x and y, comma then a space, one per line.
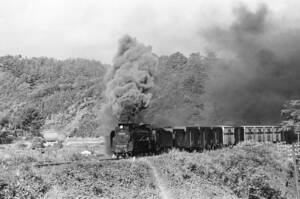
131, 139
164, 140
263, 133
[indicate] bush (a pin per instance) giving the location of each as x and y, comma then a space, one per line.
26, 185
31, 120
248, 170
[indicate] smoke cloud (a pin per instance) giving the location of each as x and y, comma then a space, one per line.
128, 82
263, 70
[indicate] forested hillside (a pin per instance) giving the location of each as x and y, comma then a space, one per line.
41, 93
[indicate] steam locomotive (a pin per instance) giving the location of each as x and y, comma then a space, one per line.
130, 139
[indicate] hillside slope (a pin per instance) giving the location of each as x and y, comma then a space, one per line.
57, 92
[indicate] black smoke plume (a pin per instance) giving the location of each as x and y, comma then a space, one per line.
263, 70
128, 83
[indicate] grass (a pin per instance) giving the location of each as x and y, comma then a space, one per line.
19, 178
122, 179
249, 170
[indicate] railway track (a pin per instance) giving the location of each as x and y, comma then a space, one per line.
45, 164
283, 147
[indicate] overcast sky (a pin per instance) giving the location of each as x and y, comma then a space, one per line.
91, 28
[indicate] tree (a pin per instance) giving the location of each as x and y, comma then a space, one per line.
291, 113
31, 120
4, 121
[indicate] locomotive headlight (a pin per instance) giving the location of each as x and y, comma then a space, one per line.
121, 126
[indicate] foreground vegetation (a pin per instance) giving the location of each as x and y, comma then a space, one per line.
122, 179
249, 170
86, 176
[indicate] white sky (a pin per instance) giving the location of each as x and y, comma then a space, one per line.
91, 28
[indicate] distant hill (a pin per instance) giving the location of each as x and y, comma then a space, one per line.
44, 92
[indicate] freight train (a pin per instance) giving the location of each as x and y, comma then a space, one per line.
131, 139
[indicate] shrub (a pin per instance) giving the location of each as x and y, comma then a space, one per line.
31, 120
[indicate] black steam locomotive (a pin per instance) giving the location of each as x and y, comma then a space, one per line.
129, 139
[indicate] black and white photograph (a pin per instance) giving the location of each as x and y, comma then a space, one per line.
149, 99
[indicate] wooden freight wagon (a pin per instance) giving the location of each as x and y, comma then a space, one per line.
194, 139
249, 133
217, 137
179, 137
268, 134
260, 134
277, 132
228, 135
164, 139
238, 134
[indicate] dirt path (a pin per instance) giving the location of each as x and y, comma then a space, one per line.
164, 192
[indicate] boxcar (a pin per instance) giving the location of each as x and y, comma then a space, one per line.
249, 134
268, 134
273, 130
228, 135
278, 134
259, 133
213, 137
207, 137
164, 139
194, 139
179, 137
238, 134
218, 137
255, 131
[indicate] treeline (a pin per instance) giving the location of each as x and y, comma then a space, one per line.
33, 91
